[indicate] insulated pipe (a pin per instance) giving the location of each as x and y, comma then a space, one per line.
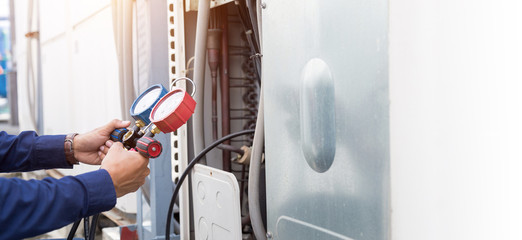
199, 74
213, 45
255, 167
255, 161
225, 94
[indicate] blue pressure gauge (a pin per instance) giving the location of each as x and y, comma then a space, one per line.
142, 106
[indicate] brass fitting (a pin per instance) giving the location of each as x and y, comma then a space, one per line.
155, 130
140, 124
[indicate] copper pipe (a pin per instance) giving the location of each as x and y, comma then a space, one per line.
225, 94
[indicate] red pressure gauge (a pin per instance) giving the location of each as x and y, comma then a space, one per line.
173, 110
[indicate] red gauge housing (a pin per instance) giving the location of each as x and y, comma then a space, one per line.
173, 110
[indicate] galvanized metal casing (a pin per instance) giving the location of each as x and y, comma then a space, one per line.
325, 76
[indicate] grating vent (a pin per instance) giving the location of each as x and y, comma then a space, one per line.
176, 58
175, 138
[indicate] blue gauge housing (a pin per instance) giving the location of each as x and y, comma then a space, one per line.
142, 106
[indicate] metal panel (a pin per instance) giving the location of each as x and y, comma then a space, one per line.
216, 204
325, 72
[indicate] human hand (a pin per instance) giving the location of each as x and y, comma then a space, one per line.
105, 149
127, 169
87, 145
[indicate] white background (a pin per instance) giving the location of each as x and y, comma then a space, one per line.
456, 119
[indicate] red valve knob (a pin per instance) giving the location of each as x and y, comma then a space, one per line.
149, 147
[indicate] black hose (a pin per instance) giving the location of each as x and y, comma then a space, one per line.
92, 231
89, 233
190, 166
73, 230
86, 228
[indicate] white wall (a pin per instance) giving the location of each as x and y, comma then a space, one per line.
79, 65
79, 70
456, 119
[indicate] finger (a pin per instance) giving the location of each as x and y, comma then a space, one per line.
116, 123
108, 143
102, 155
104, 149
116, 145
144, 160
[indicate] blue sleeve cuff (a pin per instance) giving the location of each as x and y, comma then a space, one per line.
49, 152
101, 195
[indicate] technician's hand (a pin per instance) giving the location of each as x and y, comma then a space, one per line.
127, 169
87, 145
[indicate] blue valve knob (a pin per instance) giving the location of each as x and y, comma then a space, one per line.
118, 134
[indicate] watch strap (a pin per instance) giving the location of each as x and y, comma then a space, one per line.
69, 149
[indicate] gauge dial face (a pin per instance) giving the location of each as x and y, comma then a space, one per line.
147, 100
168, 105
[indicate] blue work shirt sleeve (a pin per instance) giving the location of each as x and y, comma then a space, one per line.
30, 208
28, 151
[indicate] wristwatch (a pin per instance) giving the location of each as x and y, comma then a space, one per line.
69, 149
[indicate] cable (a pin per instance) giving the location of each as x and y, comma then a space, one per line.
92, 232
89, 233
190, 166
86, 228
73, 230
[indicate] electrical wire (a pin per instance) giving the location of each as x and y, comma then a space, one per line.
190, 166
73, 230
188, 68
86, 228
94, 223
89, 232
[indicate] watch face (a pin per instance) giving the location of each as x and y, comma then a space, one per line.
168, 105
147, 100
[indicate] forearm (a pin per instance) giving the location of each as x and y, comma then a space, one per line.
29, 208
28, 151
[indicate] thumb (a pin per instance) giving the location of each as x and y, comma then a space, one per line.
116, 123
